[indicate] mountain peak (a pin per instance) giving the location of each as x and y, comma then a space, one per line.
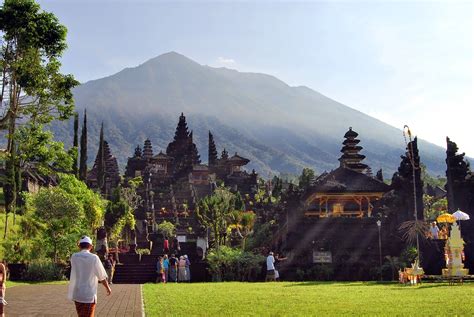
170, 58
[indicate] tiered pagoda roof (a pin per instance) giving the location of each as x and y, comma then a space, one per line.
347, 181
147, 149
351, 158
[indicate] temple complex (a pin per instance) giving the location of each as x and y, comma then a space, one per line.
173, 182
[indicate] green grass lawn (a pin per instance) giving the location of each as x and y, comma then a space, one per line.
308, 299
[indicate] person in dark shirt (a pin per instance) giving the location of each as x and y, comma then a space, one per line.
176, 247
173, 268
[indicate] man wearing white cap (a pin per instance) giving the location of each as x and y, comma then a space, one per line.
86, 271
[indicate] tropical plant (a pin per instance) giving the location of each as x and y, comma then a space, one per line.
213, 212
166, 228
413, 229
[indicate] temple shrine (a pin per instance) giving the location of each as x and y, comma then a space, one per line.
334, 221
347, 191
454, 254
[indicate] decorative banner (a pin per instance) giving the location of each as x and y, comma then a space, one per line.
322, 257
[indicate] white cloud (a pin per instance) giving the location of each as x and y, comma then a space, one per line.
225, 62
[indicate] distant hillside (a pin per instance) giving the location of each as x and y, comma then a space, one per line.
278, 127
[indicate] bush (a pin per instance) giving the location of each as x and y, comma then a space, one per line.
234, 264
143, 251
320, 272
44, 270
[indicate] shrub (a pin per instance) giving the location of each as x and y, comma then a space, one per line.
320, 272
166, 228
234, 264
143, 251
44, 270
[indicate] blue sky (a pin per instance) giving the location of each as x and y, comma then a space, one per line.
403, 62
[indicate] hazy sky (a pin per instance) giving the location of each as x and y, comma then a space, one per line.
403, 62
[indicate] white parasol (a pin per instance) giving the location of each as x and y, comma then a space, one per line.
460, 215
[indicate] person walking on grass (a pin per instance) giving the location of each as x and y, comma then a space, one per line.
166, 266
182, 269
270, 268
87, 272
3, 287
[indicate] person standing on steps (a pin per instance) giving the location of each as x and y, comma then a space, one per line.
166, 246
87, 272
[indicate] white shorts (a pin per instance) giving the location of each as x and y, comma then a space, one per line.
277, 275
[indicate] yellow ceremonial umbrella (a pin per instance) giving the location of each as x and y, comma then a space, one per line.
446, 218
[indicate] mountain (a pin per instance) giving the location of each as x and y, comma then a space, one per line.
278, 127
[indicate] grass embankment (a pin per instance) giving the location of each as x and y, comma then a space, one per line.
11, 284
307, 299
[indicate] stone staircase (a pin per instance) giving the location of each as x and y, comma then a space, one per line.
135, 269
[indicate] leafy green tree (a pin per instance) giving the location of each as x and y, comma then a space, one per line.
91, 202
434, 207
37, 148
166, 228
242, 222
59, 215
306, 178
62, 214
213, 212
32, 87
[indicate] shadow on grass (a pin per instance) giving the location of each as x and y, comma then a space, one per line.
393, 285
337, 283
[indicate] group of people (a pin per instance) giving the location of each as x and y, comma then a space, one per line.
173, 269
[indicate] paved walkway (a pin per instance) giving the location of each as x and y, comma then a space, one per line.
51, 300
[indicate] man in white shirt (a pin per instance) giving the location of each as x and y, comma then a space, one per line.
434, 231
270, 268
86, 272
